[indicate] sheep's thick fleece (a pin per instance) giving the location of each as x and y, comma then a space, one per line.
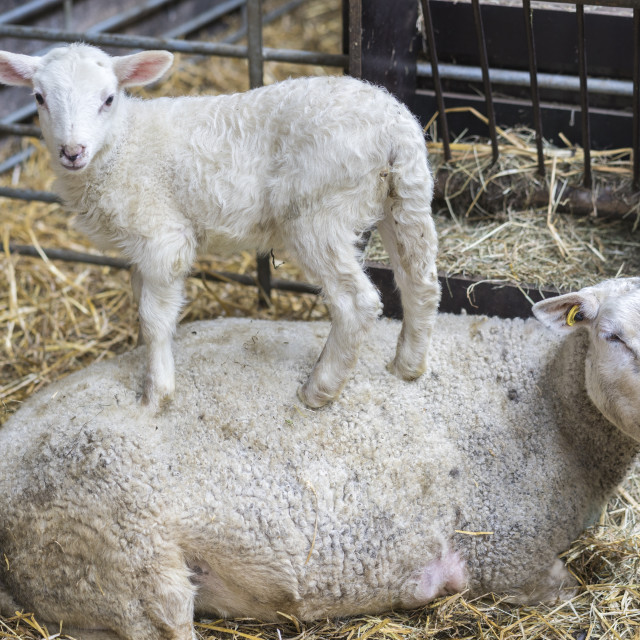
248, 504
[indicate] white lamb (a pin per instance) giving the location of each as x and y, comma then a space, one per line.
236, 502
306, 165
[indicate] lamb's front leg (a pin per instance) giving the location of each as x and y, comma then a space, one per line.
160, 268
160, 304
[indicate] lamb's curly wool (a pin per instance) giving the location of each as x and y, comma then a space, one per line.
236, 500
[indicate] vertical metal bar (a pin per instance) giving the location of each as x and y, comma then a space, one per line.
254, 36
484, 63
254, 42
636, 98
437, 84
584, 96
68, 14
533, 75
355, 38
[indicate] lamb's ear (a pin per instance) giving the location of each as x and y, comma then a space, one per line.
17, 69
141, 68
567, 312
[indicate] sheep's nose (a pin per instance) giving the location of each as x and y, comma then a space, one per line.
72, 152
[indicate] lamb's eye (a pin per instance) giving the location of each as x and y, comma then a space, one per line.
614, 337
39, 98
108, 101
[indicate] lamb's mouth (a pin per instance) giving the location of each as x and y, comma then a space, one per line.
75, 166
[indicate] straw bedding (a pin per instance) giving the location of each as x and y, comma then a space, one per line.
58, 317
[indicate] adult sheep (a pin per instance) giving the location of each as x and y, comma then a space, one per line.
306, 165
121, 522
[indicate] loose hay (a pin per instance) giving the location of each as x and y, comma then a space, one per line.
58, 317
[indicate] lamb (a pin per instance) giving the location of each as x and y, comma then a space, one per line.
306, 166
119, 529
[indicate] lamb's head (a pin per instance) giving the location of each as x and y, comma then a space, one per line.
77, 89
610, 312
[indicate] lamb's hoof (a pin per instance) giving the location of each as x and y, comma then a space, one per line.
153, 399
405, 372
313, 400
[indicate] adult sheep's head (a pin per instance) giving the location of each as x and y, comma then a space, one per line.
77, 90
610, 312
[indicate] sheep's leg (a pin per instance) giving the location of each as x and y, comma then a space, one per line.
160, 267
552, 584
411, 244
354, 305
160, 304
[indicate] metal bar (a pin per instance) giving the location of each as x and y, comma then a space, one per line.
482, 50
21, 130
464, 73
584, 97
603, 3
118, 263
254, 39
437, 84
636, 98
205, 18
355, 38
28, 194
27, 10
533, 79
16, 159
267, 18
172, 44
128, 16
256, 79
68, 14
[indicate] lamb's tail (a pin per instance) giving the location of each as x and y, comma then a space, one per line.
409, 236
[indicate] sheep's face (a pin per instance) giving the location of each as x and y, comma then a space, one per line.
77, 101
77, 90
610, 311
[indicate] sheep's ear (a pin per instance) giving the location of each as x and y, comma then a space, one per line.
567, 312
17, 69
141, 68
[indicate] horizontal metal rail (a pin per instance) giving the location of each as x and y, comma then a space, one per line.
21, 130
464, 73
205, 18
603, 3
27, 10
29, 195
118, 263
172, 44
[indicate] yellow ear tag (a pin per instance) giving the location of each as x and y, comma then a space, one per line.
571, 316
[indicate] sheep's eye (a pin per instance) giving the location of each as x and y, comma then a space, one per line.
108, 101
614, 337
39, 98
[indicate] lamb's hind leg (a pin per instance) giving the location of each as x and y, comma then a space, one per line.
354, 305
411, 243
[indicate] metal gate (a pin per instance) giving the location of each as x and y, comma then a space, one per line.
459, 47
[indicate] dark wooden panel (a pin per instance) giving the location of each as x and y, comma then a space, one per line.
504, 301
389, 45
609, 39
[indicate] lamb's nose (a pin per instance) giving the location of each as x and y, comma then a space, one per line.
73, 152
